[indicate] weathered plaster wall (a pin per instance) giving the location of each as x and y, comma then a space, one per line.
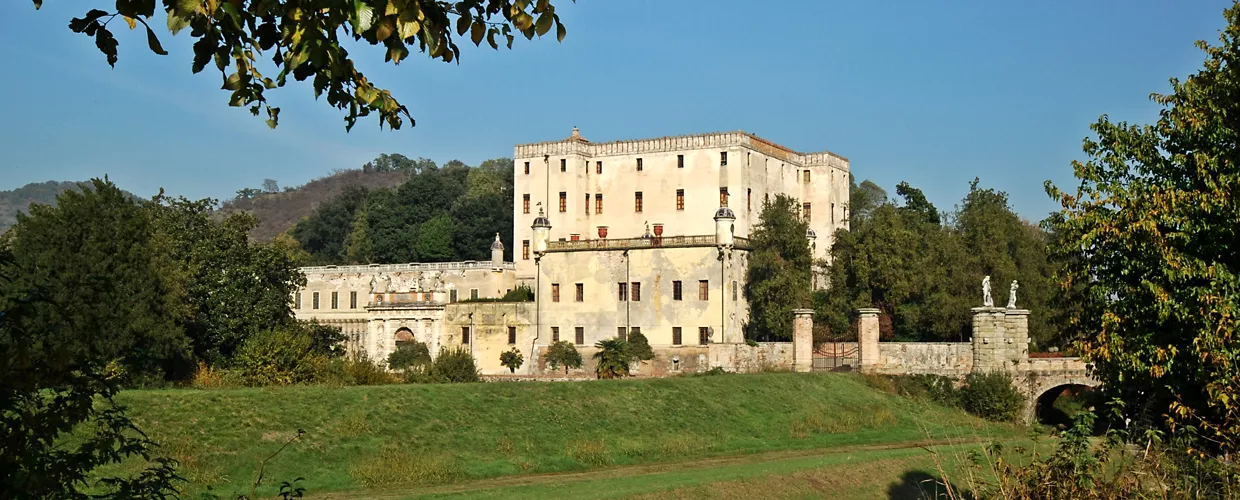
756, 168
489, 324
601, 312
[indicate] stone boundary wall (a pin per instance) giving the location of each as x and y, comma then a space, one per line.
939, 358
744, 358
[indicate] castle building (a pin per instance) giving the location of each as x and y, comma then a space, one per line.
615, 238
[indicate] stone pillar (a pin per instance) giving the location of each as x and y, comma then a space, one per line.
803, 340
867, 339
1016, 330
990, 347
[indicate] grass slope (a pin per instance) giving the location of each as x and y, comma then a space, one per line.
404, 436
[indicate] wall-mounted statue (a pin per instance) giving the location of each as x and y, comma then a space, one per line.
1012, 295
987, 301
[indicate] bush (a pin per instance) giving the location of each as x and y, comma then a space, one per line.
452, 365
639, 347
409, 355
613, 358
991, 396
937, 388
281, 356
512, 359
360, 371
563, 353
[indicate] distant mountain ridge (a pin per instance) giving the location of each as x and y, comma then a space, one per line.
19, 200
279, 211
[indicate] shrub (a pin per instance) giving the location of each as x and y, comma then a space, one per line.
521, 293
281, 356
639, 347
409, 355
936, 388
512, 359
563, 353
453, 365
991, 396
613, 358
360, 371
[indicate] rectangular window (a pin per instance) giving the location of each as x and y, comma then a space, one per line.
579, 335
335, 300
352, 300
748, 199
623, 289
723, 159
734, 287
637, 201
525, 203
315, 303
680, 161
805, 211
598, 203
621, 334
512, 335
634, 330
297, 300
587, 204
452, 296
525, 249
563, 202
555, 292
832, 219
598, 167
723, 197
555, 334
473, 293
680, 199
581, 292
703, 335
639, 164
677, 290
704, 290
464, 334
527, 168
806, 176
563, 164
676, 335
635, 291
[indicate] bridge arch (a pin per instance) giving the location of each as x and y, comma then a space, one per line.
1041, 391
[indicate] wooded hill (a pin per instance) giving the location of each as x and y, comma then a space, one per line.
279, 211
18, 200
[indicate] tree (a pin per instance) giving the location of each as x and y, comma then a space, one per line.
434, 242
612, 359
512, 359
324, 233
563, 353
639, 347
358, 248
778, 277
271, 186
304, 41
1149, 237
409, 355
86, 304
915, 202
863, 199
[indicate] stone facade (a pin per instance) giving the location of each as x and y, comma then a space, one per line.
671, 184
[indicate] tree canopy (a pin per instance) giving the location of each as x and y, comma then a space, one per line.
438, 214
1150, 239
306, 39
777, 279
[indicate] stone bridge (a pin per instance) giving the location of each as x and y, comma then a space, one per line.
1000, 342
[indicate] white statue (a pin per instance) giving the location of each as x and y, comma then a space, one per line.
1012, 295
374, 284
987, 301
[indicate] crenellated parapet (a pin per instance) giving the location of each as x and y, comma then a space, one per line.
578, 146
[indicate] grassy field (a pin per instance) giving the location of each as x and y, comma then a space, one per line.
385, 437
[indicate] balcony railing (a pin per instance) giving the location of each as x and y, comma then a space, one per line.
428, 266
630, 243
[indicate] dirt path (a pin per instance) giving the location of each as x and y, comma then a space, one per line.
625, 471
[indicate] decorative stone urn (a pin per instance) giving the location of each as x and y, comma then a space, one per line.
602, 231
574, 237
658, 229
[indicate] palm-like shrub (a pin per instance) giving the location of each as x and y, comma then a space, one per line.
613, 358
512, 359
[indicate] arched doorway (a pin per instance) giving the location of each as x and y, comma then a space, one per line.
1059, 405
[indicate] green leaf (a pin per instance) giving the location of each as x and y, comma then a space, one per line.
233, 82
560, 31
176, 22
38, 4
273, 116
544, 24
153, 42
384, 29
363, 16
462, 23
106, 44
476, 32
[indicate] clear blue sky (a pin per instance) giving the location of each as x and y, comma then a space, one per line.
933, 93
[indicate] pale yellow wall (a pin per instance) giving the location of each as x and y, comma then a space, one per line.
755, 169
601, 313
489, 324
